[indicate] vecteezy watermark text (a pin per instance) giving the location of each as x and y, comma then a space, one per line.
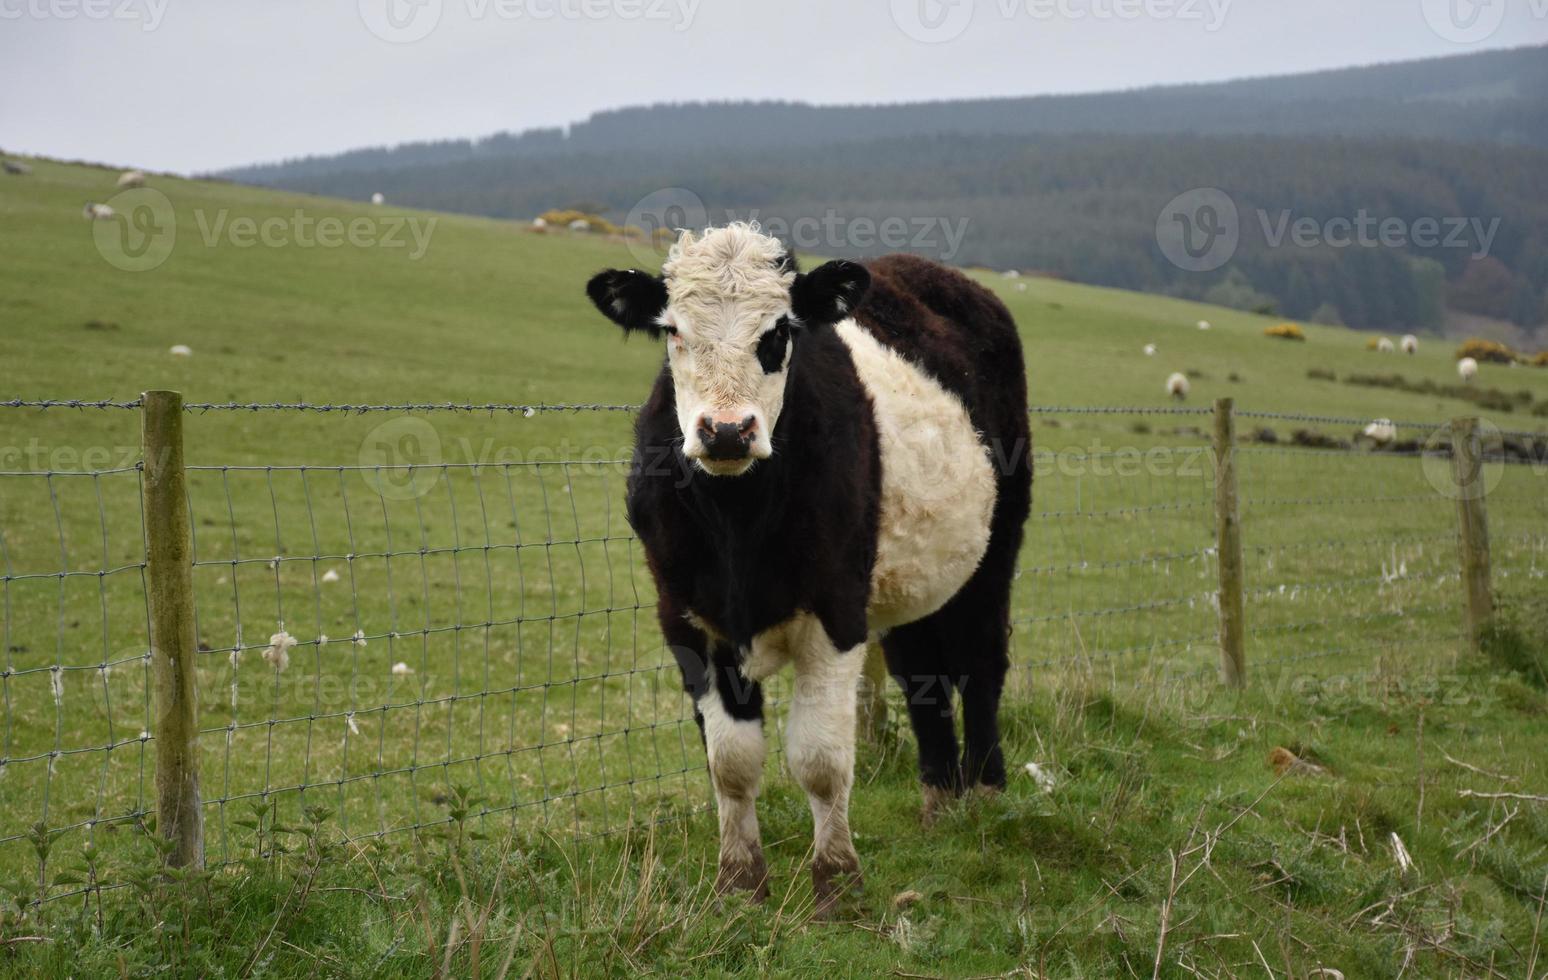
662, 214
136, 230
938, 21
1200, 230
832, 230
1366, 230
1210, 13
1474, 21
36, 456
301, 230
407, 21
147, 12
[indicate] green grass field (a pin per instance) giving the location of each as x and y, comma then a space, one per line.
535, 732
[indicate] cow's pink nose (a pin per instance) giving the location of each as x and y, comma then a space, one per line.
746, 424
727, 437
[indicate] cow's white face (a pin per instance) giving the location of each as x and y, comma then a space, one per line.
732, 307
728, 326
729, 366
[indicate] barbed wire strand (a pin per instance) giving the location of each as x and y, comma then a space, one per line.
532, 409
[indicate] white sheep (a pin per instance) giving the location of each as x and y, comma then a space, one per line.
97, 212
1410, 344
1385, 346
131, 178
1204, 324
1150, 350
378, 198
1177, 385
180, 350
1467, 369
1012, 274
1382, 432
540, 223
580, 224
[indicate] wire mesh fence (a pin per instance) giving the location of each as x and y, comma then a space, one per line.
376, 633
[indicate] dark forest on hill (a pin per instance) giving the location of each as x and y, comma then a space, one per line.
1072, 186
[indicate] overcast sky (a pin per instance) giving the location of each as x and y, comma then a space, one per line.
190, 85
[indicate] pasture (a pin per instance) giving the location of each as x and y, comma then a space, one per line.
527, 788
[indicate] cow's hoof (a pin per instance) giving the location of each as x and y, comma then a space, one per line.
935, 801
751, 877
832, 880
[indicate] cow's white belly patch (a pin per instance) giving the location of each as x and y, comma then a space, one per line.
938, 487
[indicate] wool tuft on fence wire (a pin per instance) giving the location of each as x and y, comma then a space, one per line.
377, 634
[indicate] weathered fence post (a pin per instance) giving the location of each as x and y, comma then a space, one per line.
873, 692
1473, 519
1228, 544
169, 595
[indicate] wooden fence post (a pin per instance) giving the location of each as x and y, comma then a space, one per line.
1473, 519
1228, 544
169, 595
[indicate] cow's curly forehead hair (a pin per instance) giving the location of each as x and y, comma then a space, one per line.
728, 282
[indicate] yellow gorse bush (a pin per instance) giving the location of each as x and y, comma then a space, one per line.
1490, 351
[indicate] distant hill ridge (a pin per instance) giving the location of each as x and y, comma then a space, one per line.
1496, 96
1073, 185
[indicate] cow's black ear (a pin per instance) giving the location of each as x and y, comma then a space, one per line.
829, 292
630, 298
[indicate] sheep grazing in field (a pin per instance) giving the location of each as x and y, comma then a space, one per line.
539, 224
181, 350
16, 169
378, 198
1204, 324
1150, 350
131, 178
1385, 346
1467, 369
1410, 344
1178, 386
580, 224
1012, 274
97, 212
1381, 432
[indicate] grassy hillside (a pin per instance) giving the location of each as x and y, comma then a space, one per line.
493, 313
538, 703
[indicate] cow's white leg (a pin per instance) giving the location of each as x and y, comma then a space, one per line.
736, 751
820, 750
